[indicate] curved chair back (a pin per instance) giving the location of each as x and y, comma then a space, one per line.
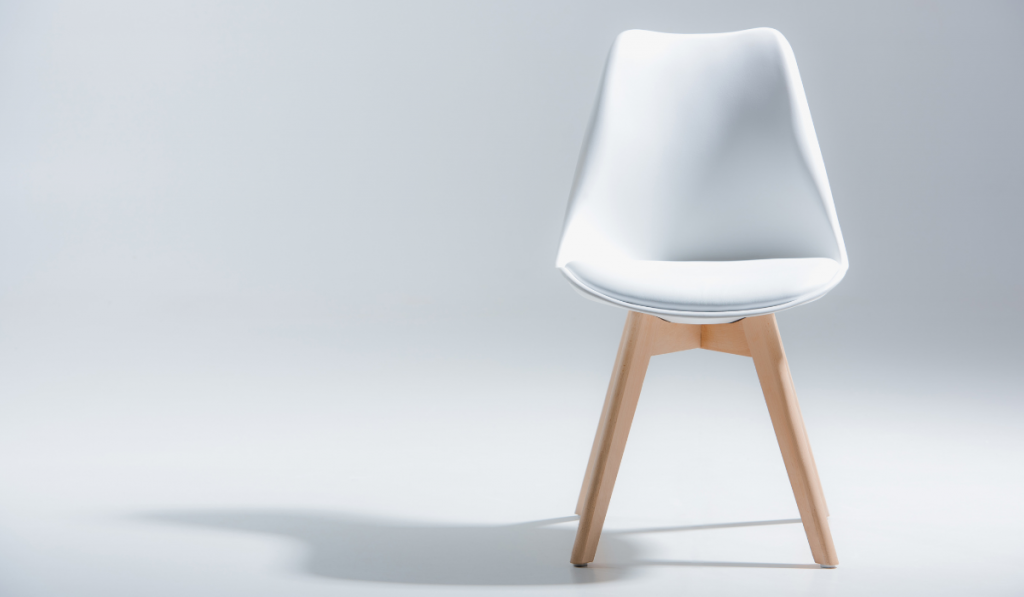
701, 148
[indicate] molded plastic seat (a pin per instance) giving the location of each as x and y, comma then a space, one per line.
700, 194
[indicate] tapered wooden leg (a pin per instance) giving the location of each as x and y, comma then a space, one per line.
602, 422
765, 346
662, 338
610, 443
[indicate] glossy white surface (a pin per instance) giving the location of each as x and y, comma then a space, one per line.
701, 159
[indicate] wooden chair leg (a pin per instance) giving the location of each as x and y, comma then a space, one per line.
765, 346
602, 422
662, 338
610, 443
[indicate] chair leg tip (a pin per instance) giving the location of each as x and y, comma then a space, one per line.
580, 565
826, 566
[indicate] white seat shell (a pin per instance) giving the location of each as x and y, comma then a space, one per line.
700, 195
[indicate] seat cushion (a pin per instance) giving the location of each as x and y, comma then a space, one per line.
707, 286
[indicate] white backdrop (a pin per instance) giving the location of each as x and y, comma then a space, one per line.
363, 159
227, 228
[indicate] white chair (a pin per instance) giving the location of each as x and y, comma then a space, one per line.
701, 205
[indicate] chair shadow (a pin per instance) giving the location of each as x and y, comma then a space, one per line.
341, 546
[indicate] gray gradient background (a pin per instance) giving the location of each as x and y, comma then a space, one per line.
223, 211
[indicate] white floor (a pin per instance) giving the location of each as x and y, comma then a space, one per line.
175, 456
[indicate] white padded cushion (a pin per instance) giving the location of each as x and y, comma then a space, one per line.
706, 286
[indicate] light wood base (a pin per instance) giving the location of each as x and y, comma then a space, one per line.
645, 336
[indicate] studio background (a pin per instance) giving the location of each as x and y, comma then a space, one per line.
298, 257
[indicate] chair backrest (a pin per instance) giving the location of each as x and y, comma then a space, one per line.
701, 148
